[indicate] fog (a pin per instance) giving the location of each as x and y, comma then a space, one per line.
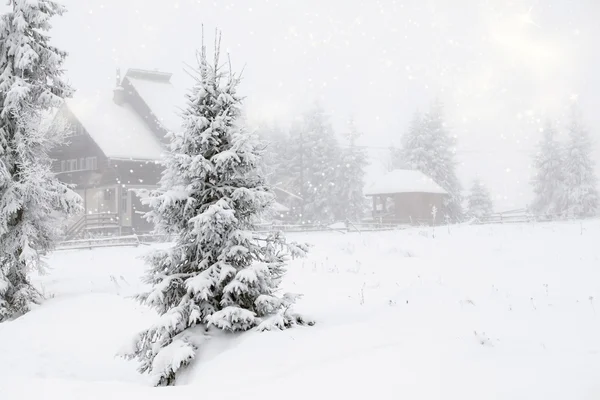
500, 67
143, 247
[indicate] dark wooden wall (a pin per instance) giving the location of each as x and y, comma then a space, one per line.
410, 208
76, 145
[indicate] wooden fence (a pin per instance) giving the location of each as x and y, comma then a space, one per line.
509, 217
107, 241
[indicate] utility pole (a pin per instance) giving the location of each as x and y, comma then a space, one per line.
302, 175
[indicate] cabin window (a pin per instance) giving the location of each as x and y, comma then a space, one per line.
91, 163
109, 194
124, 201
389, 204
75, 129
78, 164
379, 204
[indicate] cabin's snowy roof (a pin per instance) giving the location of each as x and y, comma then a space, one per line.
163, 99
403, 181
278, 207
117, 129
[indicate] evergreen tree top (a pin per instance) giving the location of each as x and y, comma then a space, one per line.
29, 66
353, 134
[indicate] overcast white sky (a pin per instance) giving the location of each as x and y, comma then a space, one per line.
500, 66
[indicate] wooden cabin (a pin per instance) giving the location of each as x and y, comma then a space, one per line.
406, 197
115, 143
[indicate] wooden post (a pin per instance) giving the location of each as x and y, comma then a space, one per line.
85, 201
118, 208
374, 206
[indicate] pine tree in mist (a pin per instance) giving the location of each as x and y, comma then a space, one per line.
579, 175
479, 202
33, 204
350, 181
275, 142
412, 154
548, 182
220, 272
275, 155
428, 147
314, 158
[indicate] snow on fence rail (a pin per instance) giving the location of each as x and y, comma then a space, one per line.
109, 241
508, 217
152, 238
337, 227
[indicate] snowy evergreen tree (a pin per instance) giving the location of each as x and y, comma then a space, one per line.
280, 171
443, 163
548, 182
480, 203
275, 155
428, 147
220, 272
33, 204
314, 156
412, 154
580, 177
350, 180
275, 143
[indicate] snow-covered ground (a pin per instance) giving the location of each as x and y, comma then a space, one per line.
471, 312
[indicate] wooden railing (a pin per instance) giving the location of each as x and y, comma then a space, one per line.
147, 239
507, 217
337, 227
91, 222
110, 241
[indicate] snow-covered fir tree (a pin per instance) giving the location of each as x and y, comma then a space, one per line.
479, 202
220, 272
429, 147
280, 170
314, 157
33, 204
274, 141
443, 160
350, 178
579, 174
412, 155
548, 181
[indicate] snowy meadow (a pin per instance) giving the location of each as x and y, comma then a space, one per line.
431, 126
460, 312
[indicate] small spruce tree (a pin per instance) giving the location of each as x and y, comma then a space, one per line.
548, 181
33, 203
314, 159
273, 139
579, 169
480, 203
428, 147
443, 162
220, 272
412, 154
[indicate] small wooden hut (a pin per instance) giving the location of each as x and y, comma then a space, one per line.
406, 197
